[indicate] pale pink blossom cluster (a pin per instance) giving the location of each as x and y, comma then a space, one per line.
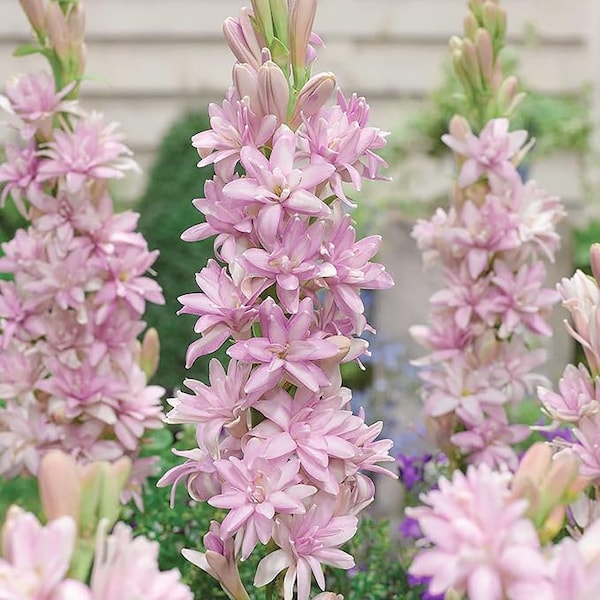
484, 322
279, 448
71, 312
35, 559
482, 541
575, 405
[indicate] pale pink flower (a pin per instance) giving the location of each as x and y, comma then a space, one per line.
353, 270
587, 446
482, 544
276, 184
577, 396
126, 568
254, 489
581, 298
223, 404
92, 150
34, 99
224, 310
522, 299
291, 258
339, 136
18, 174
233, 126
575, 566
287, 349
35, 559
305, 543
490, 154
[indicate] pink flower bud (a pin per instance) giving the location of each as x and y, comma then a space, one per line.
150, 353
595, 261
301, 23
76, 24
60, 488
58, 30
459, 128
35, 12
312, 97
241, 39
490, 17
273, 91
245, 82
485, 54
328, 596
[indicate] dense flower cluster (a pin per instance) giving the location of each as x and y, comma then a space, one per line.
70, 313
484, 539
278, 446
34, 561
490, 245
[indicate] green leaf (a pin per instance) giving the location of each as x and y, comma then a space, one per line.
27, 49
158, 440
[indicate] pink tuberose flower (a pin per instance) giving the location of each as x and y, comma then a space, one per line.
490, 154
126, 568
92, 150
35, 559
287, 349
482, 544
305, 543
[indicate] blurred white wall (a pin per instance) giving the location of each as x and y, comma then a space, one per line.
150, 59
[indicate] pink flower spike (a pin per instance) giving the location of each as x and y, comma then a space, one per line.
288, 349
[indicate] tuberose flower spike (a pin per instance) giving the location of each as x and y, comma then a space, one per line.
278, 447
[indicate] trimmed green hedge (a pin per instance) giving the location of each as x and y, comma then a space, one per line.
166, 211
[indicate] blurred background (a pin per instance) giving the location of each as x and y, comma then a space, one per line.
154, 66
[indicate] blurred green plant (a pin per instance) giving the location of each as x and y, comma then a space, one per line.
166, 211
558, 122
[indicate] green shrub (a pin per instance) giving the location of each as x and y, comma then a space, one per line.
166, 211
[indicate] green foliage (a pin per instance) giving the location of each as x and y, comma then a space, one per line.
560, 122
166, 211
22, 491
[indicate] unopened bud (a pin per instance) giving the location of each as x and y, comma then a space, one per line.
280, 18
245, 82
58, 31
328, 596
485, 54
470, 26
595, 262
471, 64
150, 353
241, 39
273, 91
506, 94
459, 127
60, 489
76, 24
36, 14
301, 24
312, 97
490, 17
264, 20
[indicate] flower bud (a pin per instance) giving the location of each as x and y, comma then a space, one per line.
245, 82
59, 485
36, 14
242, 41
595, 261
328, 596
471, 64
264, 20
485, 54
313, 95
76, 24
489, 15
470, 26
150, 353
301, 24
273, 91
58, 31
507, 93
